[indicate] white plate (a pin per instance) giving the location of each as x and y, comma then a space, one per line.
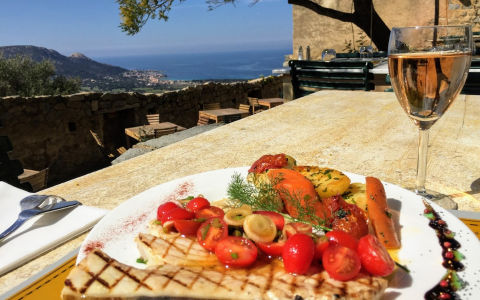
420, 251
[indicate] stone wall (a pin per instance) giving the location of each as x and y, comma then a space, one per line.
56, 131
319, 32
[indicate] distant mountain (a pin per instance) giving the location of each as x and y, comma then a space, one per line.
74, 65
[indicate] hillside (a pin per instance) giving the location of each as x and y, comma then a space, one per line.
74, 65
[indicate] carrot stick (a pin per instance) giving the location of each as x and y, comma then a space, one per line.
380, 215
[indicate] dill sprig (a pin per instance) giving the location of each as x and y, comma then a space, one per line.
265, 196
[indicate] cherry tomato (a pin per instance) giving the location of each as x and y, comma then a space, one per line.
212, 231
354, 225
187, 227
276, 217
177, 214
209, 212
340, 262
374, 256
165, 207
298, 253
342, 238
267, 162
235, 251
272, 249
320, 246
197, 204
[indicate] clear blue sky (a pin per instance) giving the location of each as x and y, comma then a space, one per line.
91, 27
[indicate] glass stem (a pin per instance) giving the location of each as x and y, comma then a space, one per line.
422, 161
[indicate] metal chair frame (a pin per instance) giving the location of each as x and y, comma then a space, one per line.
311, 76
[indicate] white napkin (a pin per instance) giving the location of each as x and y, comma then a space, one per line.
40, 233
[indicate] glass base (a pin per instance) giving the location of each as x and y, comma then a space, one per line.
438, 198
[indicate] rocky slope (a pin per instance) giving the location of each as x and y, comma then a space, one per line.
74, 65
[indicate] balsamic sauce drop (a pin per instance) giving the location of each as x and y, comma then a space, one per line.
450, 283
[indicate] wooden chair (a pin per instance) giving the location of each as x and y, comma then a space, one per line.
165, 131
244, 107
101, 146
256, 107
38, 180
153, 119
121, 150
311, 76
211, 106
203, 120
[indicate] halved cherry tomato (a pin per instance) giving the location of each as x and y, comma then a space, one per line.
165, 207
340, 262
235, 251
374, 256
187, 227
212, 231
342, 238
209, 212
298, 253
197, 204
177, 214
276, 217
320, 246
272, 249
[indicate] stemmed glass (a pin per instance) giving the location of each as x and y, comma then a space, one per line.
328, 54
428, 67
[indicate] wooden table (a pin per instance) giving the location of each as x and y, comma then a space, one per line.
147, 131
360, 132
270, 102
218, 114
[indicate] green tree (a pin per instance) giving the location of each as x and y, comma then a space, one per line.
21, 75
135, 14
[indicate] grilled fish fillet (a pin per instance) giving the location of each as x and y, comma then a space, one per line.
100, 277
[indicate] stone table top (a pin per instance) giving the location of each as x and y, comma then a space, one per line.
359, 132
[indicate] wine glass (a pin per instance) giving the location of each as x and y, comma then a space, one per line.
366, 52
428, 67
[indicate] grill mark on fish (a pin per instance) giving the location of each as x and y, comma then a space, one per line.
70, 285
142, 281
94, 277
318, 285
245, 281
100, 280
172, 244
199, 274
119, 279
126, 273
293, 286
142, 239
268, 285
192, 242
170, 277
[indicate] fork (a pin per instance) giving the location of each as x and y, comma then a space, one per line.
38, 210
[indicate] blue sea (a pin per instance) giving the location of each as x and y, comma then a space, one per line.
198, 66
